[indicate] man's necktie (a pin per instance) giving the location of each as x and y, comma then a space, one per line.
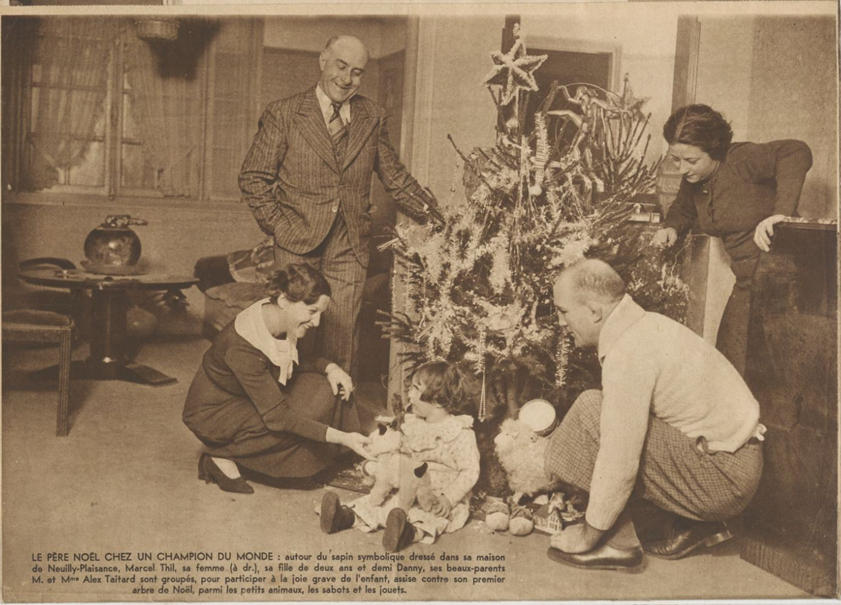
338, 131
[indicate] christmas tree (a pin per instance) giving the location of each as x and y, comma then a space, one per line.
479, 276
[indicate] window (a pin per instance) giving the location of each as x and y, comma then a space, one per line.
570, 64
66, 88
45, 94
97, 110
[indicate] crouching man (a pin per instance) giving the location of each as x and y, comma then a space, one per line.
674, 423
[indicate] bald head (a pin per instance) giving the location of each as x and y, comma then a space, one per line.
347, 43
342, 62
592, 279
585, 295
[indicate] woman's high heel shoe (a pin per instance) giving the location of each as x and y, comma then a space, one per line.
210, 473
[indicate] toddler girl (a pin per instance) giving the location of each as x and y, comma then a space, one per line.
434, 435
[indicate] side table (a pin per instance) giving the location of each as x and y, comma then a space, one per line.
108, 359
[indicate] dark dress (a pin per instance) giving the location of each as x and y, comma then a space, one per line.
753, 182
239, 410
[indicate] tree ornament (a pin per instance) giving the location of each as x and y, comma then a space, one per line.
514, 70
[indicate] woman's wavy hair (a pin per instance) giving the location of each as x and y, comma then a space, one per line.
700, 126
298, 282
443, 385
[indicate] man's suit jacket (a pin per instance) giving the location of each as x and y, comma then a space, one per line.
294, 185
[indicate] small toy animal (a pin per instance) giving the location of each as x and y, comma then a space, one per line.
395, 470
520, 447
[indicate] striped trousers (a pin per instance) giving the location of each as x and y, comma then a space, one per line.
337, 338
674, 474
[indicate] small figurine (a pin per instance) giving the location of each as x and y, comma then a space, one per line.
119, 221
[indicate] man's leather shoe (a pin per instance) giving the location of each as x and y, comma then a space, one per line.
685, 536
605, 556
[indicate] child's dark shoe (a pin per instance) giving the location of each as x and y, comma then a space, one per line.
399, 533
334, 516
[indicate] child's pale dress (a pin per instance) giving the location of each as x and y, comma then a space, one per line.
449, 447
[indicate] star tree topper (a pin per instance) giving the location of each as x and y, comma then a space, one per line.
514, 70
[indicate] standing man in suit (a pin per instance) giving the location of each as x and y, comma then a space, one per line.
307, 180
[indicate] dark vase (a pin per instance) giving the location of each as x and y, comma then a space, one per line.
112, 247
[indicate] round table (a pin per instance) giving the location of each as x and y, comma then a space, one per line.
108, 359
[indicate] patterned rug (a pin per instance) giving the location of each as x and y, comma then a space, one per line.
345, 475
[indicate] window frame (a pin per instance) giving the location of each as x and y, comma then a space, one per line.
113, 140
24, 145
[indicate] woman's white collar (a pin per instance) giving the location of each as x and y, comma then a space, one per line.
283, 353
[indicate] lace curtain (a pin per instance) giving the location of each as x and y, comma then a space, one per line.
165, 84
63, 66
68, 57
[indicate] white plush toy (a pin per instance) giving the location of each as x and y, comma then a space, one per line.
394, 470
520, 447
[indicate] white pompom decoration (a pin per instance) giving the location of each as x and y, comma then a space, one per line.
520, 526
497, 521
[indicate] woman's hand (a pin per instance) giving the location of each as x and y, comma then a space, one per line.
664, 238
578, 538
358, 443
353, 441
339, 381
765, 231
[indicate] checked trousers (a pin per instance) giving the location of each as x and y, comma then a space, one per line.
674, 474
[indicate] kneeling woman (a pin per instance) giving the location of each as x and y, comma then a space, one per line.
250, 405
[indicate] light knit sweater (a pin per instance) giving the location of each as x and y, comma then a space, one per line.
654, 365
